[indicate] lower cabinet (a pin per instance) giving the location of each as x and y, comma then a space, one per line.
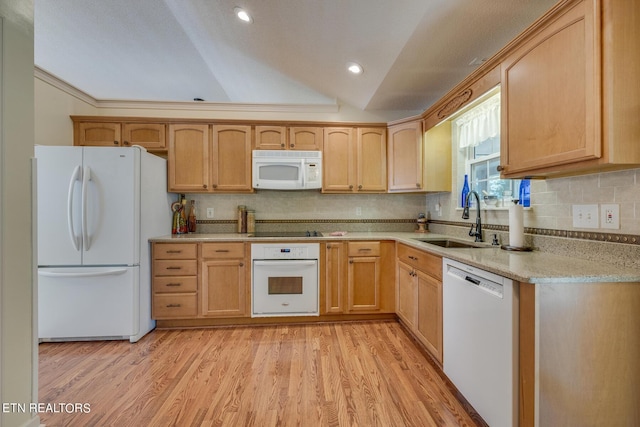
333, 276
175, 280
223, 280
419, 296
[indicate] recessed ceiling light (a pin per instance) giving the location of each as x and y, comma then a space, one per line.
242, 15
354, 68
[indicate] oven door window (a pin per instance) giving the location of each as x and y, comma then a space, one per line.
285, 286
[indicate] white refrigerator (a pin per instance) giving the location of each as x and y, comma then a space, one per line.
96, 209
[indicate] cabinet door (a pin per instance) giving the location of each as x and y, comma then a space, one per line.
223, 288
97, 134
231, 158
334, 278
151, 136
405, 157
371, 160
364, 284
188, 158
429, 321
407, 293
305, 138
271, 137
551, 110
338, 160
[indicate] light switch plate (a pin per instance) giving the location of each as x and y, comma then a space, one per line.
585, 216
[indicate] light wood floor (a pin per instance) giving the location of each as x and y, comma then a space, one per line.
342, 374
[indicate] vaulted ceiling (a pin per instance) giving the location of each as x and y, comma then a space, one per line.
294, 51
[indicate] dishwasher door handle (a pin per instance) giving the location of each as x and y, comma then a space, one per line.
472, 280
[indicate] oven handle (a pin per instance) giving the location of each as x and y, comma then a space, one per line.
285, 263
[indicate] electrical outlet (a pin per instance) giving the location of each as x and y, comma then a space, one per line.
209, 213
585, 216
610, 215
358, 211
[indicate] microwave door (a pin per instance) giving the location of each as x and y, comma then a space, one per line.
284, 174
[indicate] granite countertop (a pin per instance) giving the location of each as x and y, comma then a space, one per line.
531, 267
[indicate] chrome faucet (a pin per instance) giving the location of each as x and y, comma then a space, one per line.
465, 215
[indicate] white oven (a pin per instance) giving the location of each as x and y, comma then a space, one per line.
285, 279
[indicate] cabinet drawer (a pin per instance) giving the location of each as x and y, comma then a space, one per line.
364, 249
424, 261
180, 267
175, 250
175, 284
223, 250
175, 306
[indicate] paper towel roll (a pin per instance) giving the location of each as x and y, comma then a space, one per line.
516, 226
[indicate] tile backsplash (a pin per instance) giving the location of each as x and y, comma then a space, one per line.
552, 200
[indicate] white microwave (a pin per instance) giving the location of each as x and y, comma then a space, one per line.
287, 170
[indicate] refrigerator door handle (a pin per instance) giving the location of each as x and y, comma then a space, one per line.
114, 272
86, 177
75, 176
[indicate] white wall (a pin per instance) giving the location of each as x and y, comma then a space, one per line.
18, 368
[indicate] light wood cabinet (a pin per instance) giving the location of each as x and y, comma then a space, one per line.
363, 277
333, 278
271, 137
407, 295
188, 158
231, 163
419, 296
569, 89
405, 157
354, 160
174, 282
113, 132
151, 136
223, 280
306, 138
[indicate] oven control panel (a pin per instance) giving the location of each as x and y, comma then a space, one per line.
284, 251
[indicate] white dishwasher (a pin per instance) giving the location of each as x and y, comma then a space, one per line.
480, 340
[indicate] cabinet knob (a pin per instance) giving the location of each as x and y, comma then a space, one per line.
328, 246
126, 143
418, 185
500, 168
292, 145
350, 261
115, 143
360, 187
241, 264
351, 187
215, 185
204, 186
282, 145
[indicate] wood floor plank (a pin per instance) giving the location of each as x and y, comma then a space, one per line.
330, 374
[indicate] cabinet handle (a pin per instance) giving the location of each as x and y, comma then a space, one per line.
364, 249
500, 168
174, 305
174, 268
360, 187
174, 251
115, 143
282, 145
413, 258
241, 264
292, 145
215, 185
418, 185
350, 261
174, 284
351, 187
204, 186
126, 143
329, 246
222, 250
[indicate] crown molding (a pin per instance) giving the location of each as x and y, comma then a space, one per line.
68, 88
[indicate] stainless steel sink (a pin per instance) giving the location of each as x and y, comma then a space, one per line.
448, 243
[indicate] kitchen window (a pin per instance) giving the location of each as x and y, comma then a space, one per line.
477, 132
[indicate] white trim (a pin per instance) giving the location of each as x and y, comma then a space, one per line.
64, 86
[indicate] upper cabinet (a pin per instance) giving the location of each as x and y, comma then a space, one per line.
112, 132
271, 137
570, 97
204, 162
308, 138
405, 155
354, 160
